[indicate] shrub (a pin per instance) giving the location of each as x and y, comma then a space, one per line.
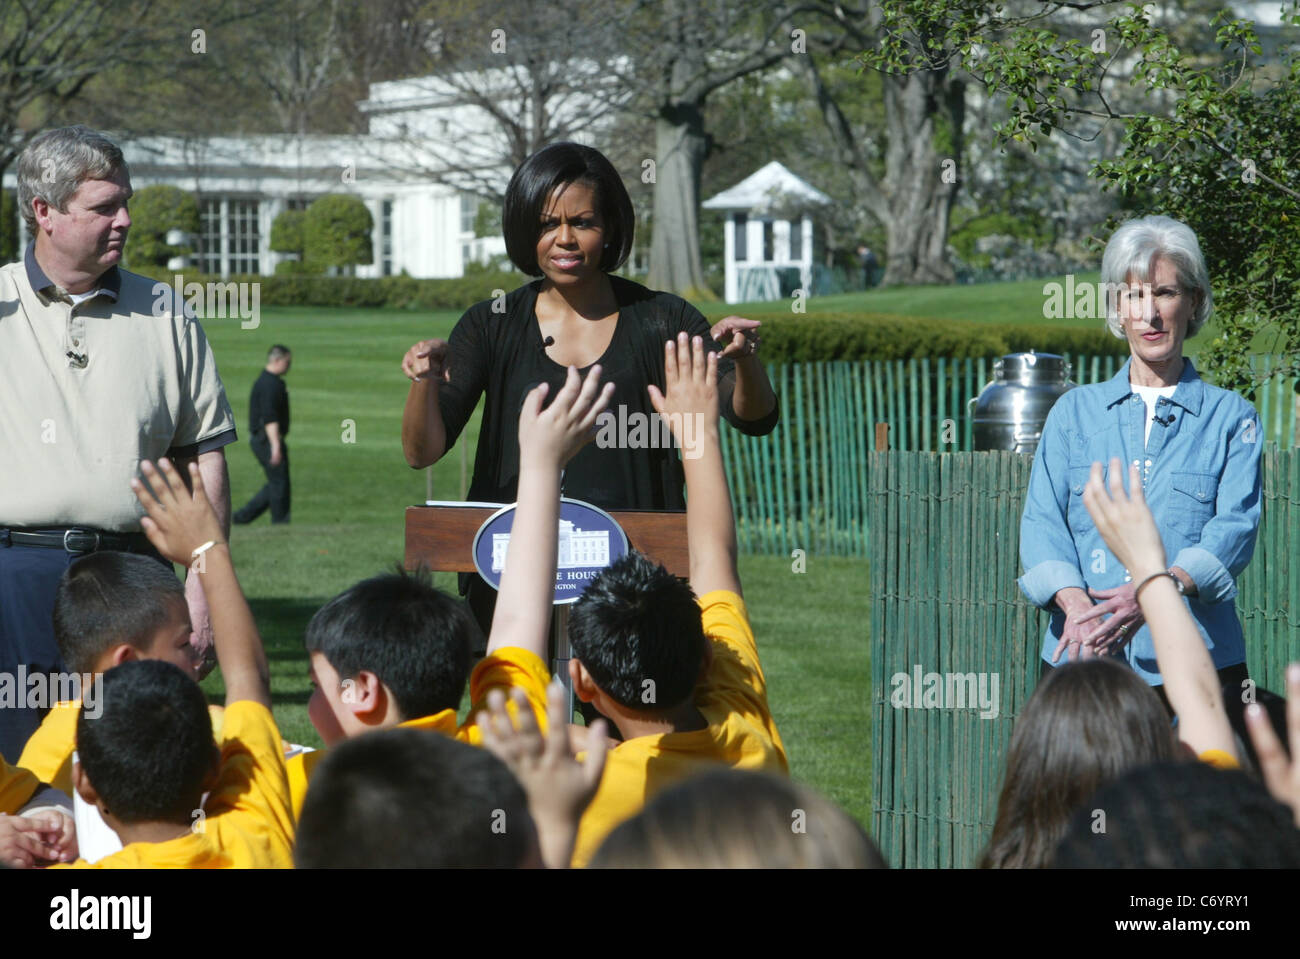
811, 337
8, 226
154, 211
287, 237
336, 232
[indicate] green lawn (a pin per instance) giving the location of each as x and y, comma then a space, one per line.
1019, 302
348, 520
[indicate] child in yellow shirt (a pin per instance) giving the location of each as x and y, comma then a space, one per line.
394, 651
146, 759
680, 678
110, 608
400, 799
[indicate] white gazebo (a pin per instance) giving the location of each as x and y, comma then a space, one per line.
769, 234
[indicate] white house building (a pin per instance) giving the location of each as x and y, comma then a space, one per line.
417, 125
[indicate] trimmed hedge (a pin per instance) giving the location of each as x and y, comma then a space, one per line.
804, 338
389, 292
813, 337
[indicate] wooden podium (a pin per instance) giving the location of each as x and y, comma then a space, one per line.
440, 537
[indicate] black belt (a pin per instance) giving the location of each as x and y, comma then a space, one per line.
76, 539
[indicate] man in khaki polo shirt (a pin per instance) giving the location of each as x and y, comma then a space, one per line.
96, 374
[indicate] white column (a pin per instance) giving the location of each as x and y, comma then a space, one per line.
806, 260
729, 258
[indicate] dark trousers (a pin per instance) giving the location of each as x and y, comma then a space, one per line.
275, 493
1232, 676
29, 578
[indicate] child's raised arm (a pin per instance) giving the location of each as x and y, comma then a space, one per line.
690, 405
1281, 773
182, 526
548, 438
1191, 682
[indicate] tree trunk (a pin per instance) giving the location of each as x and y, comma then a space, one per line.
680, 147
924, 111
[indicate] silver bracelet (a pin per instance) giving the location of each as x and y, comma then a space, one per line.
1164, 572
205, 547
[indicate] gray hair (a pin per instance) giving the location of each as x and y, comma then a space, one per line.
1132, 250
58, 161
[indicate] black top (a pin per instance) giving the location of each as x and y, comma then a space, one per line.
268, 403
501, 354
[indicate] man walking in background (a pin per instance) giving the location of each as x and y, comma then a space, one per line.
268, 422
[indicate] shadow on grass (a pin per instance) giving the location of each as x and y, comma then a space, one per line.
282, 623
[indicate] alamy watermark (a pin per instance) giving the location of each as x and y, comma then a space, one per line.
639, 431
211, 301
37, 690
1083, 300
922, 690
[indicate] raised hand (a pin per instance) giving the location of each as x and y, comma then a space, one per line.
554, 434
177, 520
690, 385
1124, 520
557, 785
1281, 775
427, 360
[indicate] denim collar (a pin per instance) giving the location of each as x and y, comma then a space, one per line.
110, 281
1188, 395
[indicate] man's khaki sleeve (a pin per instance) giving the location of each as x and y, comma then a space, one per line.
205, 412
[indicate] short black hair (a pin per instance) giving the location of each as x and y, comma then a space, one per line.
412, 799
1181, 815
149, 748
638, 631
415, 638
278, 352
531, 186
108, 598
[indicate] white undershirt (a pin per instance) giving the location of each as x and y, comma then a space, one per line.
1149, 396
79, 298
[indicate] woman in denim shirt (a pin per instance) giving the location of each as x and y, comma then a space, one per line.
1198, 447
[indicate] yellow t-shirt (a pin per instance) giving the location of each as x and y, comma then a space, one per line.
48, 752
248, 820
509, 666
1219, 759
741, 732
17, 785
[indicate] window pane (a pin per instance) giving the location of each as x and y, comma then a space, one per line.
742, 237
210, 236
386, 238
245, 245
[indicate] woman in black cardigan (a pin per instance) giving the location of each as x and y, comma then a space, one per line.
568, 220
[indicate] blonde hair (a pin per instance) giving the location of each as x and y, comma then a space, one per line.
731, 819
